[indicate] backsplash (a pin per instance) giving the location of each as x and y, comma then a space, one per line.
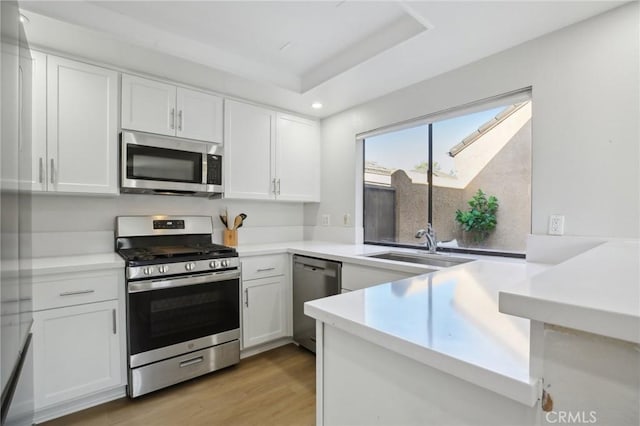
68, 225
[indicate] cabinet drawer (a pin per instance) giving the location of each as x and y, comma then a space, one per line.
74, 289
263, 266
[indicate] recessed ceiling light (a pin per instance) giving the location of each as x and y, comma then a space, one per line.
285, 46
316, 105
24, 19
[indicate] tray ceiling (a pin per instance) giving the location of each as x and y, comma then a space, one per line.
340, 53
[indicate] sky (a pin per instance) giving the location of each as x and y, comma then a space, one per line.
405, 149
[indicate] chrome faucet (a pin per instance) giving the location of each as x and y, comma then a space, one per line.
431, 241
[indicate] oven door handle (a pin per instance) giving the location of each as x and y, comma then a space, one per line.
148, 285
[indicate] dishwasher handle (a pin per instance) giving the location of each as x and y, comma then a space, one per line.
316, 269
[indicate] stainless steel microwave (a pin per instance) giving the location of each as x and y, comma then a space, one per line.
153, 164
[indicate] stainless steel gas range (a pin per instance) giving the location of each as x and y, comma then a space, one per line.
183, 300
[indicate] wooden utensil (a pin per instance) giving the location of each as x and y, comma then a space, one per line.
237, 222
243, 217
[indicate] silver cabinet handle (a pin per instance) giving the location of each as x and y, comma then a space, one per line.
246, 297
113, 313
192, 361
172, 122
265, 269
273, 181
53, 171
278, 192
180, 120
41, 170
74, 293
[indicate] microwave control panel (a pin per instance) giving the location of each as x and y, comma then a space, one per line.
214, 169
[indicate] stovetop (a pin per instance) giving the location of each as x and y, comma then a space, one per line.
152, 255
164, 246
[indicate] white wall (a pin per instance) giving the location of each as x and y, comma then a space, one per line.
63, 221
585, 126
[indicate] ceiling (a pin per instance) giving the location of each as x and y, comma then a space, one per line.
340, 53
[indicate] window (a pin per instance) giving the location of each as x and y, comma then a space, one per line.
431, 171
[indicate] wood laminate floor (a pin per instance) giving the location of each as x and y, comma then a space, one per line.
273, 388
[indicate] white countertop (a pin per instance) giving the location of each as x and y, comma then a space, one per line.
597, 291
353, 253
448, 320
78, 263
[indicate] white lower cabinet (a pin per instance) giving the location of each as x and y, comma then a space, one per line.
266, 300
77, 352
357, 277
78, 340
263, 315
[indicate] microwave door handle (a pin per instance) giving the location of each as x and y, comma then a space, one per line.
205, 170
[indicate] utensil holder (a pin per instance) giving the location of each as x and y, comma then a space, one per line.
230, 237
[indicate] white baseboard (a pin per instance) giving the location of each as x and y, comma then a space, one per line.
255, 350
78, 404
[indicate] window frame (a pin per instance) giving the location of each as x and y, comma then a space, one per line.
429, 120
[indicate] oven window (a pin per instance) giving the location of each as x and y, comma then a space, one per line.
159, 318
152, 163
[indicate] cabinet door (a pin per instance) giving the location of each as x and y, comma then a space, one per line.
263, 313
297, 159
148, 105
82, 128
76, 352
199, 116
357, 277
38, 121
249, 134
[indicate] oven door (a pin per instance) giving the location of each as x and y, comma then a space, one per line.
169, 317
158, 163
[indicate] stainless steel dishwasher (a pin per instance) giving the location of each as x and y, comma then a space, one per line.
312, 279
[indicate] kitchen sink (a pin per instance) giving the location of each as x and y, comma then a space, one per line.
439, 260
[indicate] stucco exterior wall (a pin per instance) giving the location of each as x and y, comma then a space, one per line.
507, 176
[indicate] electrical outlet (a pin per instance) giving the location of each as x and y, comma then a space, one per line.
556, 224
347, 219
326, 220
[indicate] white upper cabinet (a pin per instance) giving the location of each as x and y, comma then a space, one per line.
161, 108
249, 135
82, 128
148, 105
38, 121
199, 115
297, 159
270, 155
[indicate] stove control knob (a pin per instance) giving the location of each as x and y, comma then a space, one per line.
163, 269
213, 264
190, 266
224, 263
147, 271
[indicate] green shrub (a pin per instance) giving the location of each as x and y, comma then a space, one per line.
480, 219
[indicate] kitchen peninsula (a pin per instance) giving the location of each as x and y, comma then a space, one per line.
444, 330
